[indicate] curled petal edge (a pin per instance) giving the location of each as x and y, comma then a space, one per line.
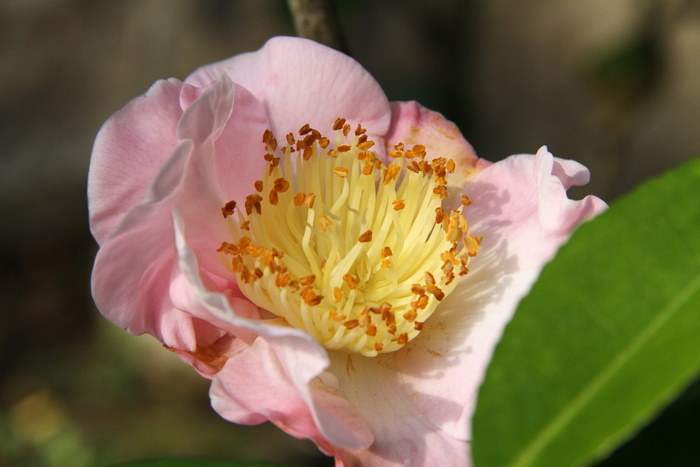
302, 358
298, 78
128, 152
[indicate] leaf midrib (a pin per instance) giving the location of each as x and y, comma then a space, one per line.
549, 432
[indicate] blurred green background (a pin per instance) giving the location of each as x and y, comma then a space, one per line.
611, 83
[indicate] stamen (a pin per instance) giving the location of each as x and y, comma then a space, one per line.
357, 253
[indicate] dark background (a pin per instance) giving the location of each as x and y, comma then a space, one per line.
611, 83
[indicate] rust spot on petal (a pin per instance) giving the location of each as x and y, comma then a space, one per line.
211, 359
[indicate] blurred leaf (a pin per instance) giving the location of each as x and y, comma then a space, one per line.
609, 334
629, 72
194, 463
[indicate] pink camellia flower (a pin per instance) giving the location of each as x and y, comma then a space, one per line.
335, 263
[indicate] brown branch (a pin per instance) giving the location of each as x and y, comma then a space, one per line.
318, 20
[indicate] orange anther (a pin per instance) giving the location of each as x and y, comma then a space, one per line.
350, 280
228, 209
365, 237
339, 122
436, 291
307, 280
341, 172
309, 200
299, 198
273, 197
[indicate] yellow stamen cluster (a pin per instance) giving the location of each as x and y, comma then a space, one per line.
356, 253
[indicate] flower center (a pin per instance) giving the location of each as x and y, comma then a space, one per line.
354, 252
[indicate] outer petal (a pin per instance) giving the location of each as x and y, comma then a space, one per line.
404, 433
129, 150
279, 377
300, 81
521, 210
133, 269
255, 387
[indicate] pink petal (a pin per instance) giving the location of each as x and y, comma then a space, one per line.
132, 272
234, 120
239, 149
404, 433
205, 118
128, 152
300, 81
521, 209
134, 267
557, 213
255, 386
280, 377
411, 124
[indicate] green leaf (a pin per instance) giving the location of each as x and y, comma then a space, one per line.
609, 334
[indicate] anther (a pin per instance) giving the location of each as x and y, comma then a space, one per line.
339, 122
281, 185
324, 222
309, 200
307, 280
228, 209
341, 172
351, 281
365, 237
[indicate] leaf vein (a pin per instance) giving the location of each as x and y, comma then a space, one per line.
529, 454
